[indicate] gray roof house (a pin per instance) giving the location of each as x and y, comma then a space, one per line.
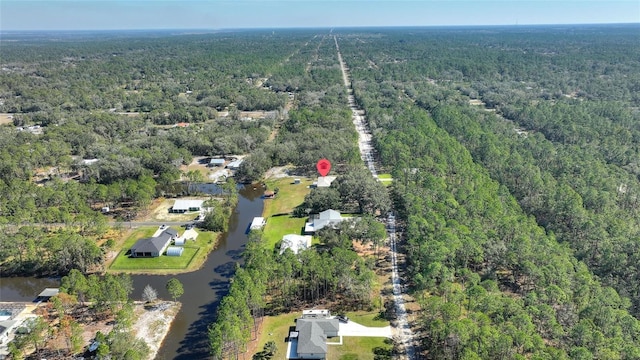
154, 246
321, 220
312, 337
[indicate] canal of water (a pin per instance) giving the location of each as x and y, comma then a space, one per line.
203, 289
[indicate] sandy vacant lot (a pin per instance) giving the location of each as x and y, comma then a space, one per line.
160, 211
6, 118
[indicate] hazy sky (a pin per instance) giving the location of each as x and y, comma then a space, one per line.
220, 14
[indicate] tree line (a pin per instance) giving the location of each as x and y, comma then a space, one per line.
495, 279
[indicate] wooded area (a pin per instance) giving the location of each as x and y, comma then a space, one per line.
514, 153
521, 213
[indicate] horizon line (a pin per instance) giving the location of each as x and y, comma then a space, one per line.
321, 27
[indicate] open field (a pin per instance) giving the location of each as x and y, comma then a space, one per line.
277, 211
276, 328
358, 348
289, 196
194, 255
278, 226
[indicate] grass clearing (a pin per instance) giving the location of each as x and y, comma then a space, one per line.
276, 328
194, 255
277, 211
385, 179
278, 226
360, 348
289, 195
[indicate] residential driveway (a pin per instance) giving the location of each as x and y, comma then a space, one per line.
354, 329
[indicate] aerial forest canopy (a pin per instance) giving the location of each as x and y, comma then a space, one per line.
515, 158
514, 153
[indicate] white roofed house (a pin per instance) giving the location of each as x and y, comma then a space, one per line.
326, 218
295, 242
185, 205
323, 181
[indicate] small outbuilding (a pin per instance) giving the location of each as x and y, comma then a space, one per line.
216, 162
175, 250
234, 165
47, 294
257, 223
179, 241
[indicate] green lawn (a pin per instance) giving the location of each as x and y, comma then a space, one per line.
358, 348
195, 252
277, 210
385, 179
289, 195
278, 226
368, 318
276, 328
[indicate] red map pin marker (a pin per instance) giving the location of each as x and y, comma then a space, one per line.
323, 166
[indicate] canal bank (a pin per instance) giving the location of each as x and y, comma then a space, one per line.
203, 289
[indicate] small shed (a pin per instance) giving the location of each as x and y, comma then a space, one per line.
269, 194
296, 181
175, 251
216, 162
234, 165
179, 241
47, 293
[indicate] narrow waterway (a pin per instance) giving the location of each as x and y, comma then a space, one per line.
203, 289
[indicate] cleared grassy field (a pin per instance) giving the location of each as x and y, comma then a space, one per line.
276, 328
278, 226
289, 195
358, 348
192, 258
277, 210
